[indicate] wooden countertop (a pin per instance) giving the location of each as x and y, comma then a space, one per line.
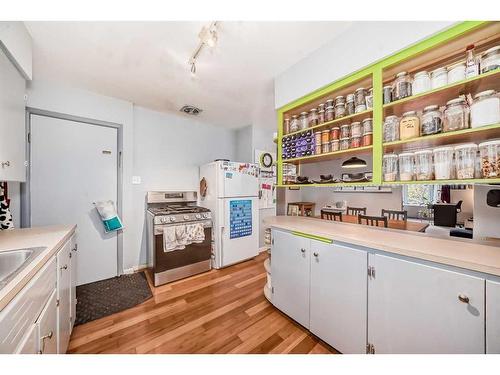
475, 256
52, 237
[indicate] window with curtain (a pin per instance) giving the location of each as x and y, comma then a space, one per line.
420, 195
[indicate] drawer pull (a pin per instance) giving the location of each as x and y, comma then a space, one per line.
65, 267
302, 250
315, 254
463, 298
48, 336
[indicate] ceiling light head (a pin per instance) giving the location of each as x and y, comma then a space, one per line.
354, 162
208, 35
191, 110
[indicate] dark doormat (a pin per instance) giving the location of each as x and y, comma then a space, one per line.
106, 297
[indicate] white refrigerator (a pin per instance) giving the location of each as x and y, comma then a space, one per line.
232, 194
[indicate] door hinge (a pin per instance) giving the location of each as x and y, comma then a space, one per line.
70, 255
57, 302
29, 137
272, 241
370, 348
371, 272
272, 289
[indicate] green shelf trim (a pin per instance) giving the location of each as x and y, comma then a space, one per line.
320, 156
312, 237
443, 135
443, 88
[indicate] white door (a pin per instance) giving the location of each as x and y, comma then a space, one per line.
290, 275
415, 308
492, 317
339, 296
64, 297
239, 237
74, 164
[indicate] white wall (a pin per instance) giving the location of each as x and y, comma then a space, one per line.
244, 149
168, 150
362, 44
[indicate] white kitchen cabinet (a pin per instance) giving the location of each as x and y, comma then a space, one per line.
338, 296
29, 344
290, 267
12, 122
47, 327
492, 317
63, 297
73, 276
16, 40
417, 308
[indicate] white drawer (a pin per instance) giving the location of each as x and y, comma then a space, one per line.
47, 324
23, 311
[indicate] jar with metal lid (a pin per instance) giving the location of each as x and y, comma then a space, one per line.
456, 115
345, 131
421, 82
432, 120
325, 147
329, 114
303, 121
359, 96
490, 60
329, 103
334, 133
317, 137
369, 99
294, 124
367, 139
439, 78
423, 165
402, 86
391, 129
334, 145
390, 167
286, 125
321, 116
456, 73
339, 100
465, 160
345, 143
409, 126
490, 159
387, 93
356, 129
443, 163
485, 110
355, 142
339, 110
317, 148
367, 125
313, 117
325, 136
321, 107
350, 106
406, 166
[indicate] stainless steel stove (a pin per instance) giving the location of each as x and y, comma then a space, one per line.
165, 209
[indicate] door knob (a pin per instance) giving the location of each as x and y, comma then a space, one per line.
302, 250
463, 298
315, 254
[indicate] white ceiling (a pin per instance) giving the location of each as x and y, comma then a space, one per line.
146, 62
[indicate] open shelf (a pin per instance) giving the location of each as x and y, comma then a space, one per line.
354, 117
334, 184
475, 135
328, 156
440, 96
446, 182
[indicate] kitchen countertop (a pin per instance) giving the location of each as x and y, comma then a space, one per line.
471, 255
52, 237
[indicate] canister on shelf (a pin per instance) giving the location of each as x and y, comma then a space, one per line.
356, 129
369, 99
339, 110
350, 106
367, 125
317, 137
321, 107
339, 100
360, 108
390, 167
421, 82
490, 159
329, 103
334, 145
431, 120
456, 73
409, 126
313, 117
402, 86
329, 114
345, 143
387, 94
391, 129
423, 165
355, 142
345, 131
465, 160
367, 139
359, 96
325, 136
485, 110
303, 121
334, 133
325, 148
294, 124
490, 60
406, 166
286, 125
321, 116
439, 78
456, 115
317, 149
443, 163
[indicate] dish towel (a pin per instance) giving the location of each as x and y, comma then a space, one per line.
177, 237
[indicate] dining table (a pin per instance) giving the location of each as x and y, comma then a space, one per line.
413, 226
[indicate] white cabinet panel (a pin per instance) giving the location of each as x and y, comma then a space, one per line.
492, 317
64, 297
415, 308
29, 345
73, 278
47, 324
290, 275
339, 296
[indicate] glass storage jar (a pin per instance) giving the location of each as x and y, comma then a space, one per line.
313, 117
317, 137
329, 103
443, 163
485, 110
321, 116
369, 99
439, 78
329, 114
431, 120
402, 86
345, 143
367, 125
294, 124
490, 159
423, 165
355, 142
345, 131
387, 93
465, 160
340, 110
406, 166
356, 129
359, 96
367, 139
339, 100
325, 136
421, 82
456, 73
390, 167
490, 60
391, 129
350, 106
317, 148
325, 147
335, 145
303, 121
456, 115
321, 107
334, 133
409, 126
286, 125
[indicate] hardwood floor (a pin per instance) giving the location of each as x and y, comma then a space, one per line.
221, 311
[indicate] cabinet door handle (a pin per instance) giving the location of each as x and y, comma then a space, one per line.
65, 267
315, 254
5, 164
48, 336
463, 298
302, 250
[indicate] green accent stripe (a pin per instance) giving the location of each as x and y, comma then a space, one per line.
312, 237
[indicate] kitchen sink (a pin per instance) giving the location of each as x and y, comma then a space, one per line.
14, 261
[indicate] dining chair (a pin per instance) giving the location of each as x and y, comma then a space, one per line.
373, 220
331, 215
395, 214
356, 211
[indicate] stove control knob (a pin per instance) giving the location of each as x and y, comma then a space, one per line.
206, 216
172, 218
186, 217
163, 220
198, 216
